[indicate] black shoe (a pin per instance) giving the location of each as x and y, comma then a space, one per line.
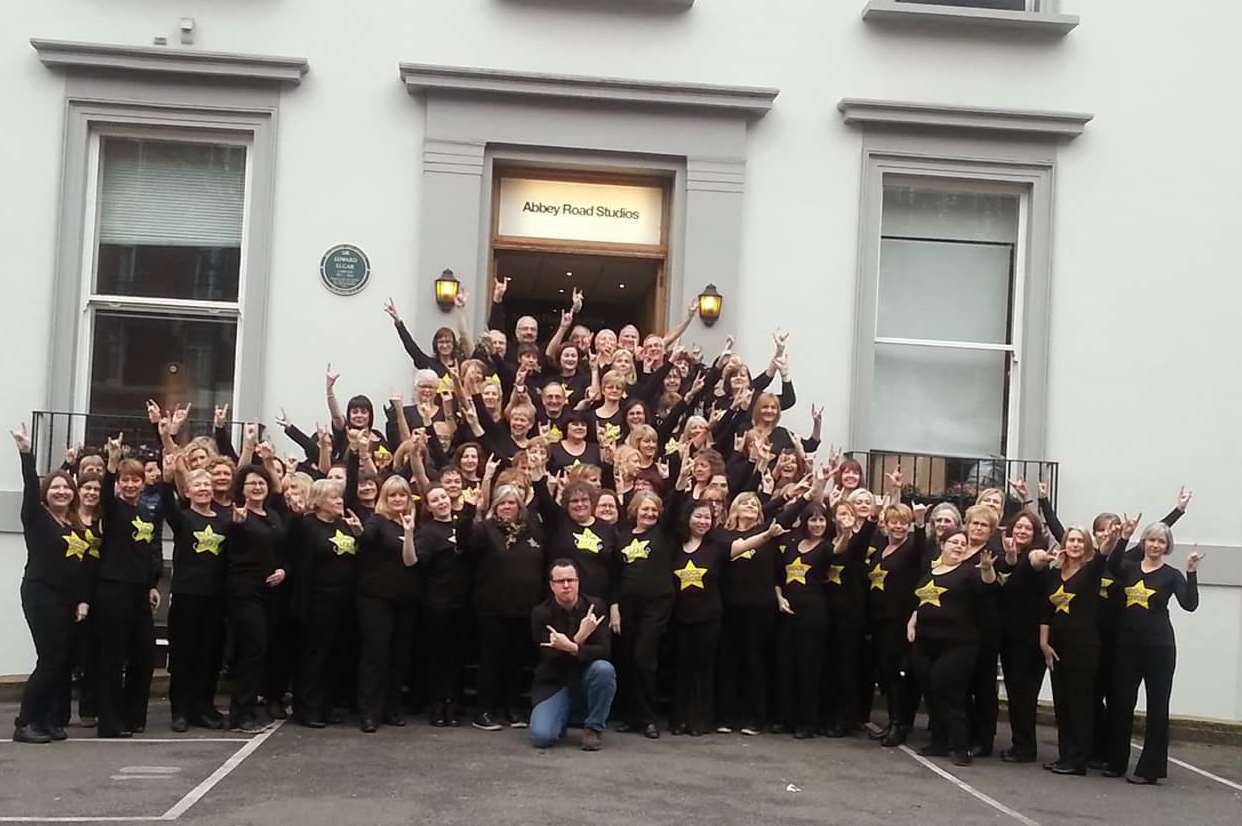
203, 721
276, 710
314, 722
836, 730
484, 721
622, 726
517, 720
777, 728
1050, 765
28, 733
213, 713
247, 725
336, 716
1011, 756
56, 732
123, 734
934, 750
896, 736
880, 734
367, 725
803, 733
696, 732
437, 717
1114, 772
981, 750
677, 729
1139, 780
180, 725
451, 715
1097, 765
396, 719
1061, 768
651, 732
962, 758
137, 728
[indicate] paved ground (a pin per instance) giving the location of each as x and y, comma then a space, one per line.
445, 776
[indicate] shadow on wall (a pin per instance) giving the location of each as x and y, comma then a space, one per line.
619, 8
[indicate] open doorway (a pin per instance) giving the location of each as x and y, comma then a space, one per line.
617, 290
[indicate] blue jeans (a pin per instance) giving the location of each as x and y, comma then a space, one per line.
550, 718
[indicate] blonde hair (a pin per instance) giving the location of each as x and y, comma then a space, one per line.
899, 513
195, 475
392, 483
321, 490
301, 482
738, 501
983, 512
639, 432
513, 492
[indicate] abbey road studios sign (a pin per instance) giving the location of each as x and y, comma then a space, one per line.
575, 211
345, 269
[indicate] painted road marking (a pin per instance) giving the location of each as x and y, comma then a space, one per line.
197, 793
969, 789
1235, 786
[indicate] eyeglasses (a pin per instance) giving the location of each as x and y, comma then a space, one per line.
569, 581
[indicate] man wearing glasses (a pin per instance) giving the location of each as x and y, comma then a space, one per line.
574, 677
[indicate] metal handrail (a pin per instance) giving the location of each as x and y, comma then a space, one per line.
931, 478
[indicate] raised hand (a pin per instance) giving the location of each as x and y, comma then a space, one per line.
330, 378
776, 529
351, 519
179, 416
588, 624
558, 641
264, 450
1043, 489
741, 401
567, 318
817, 415
895, 479
920, 513
282, 420
1183, 498
986, 561
407, 520
21, 438
114, 447
277, 577
391, 309
321, 432
239, 515
1193, 559
780, 339
498, 291
154, 414
1018, 486
1129, 525
250, 433
577, 301
220, 416
461, 298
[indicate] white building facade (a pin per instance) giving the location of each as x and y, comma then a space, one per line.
995, 228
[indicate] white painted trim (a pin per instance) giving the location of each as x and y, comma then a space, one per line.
1027, 22
158, 60
978, 119
954, 345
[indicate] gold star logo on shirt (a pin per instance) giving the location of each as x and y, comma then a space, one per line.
344, 543
569, 392
208, 541
745, 555
446, 384
609, 433
554, 434
691, 576
935, 562
796, 571
75, 545
588, 541
1061, 599
96, 542
1138, 594
1105, 584
671, 446
494, 377
144, 531
834, 574
637, 549
1002, 577
877, 575
929, 594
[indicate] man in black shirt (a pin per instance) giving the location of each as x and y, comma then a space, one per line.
574, 676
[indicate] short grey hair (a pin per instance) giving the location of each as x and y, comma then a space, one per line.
506, 492
1157, 529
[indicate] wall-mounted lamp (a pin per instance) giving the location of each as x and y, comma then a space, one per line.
710, 301
447, 287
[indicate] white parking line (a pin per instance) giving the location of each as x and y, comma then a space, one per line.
131, 740
969, 789
196, 794
1235, 786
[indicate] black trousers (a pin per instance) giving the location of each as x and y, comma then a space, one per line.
126, 640
868, 672
801, 640
1154, 666
1022, 663
696, 663
385, 640
194, 646
1073, 681
983, 704
443, 628
280, 661
1103, 690
505, 649
945, 672
890, 652
323, 657
248, 625
742, 686
643, 623
50, 616
843, 674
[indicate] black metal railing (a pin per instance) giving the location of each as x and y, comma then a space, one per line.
53, 432
931, 478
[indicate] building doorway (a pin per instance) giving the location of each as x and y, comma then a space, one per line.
604, 234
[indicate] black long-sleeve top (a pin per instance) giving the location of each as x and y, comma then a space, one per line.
891, 579
328, 558
749, 578
1021, 598
1146, 596
1069, 604
382, 572
559, 458
950, 605
846, 581
646, 557
442, 565
256, 549
593, 547
131, 550
801, 573
559, 669
696, 577
54, 551
199, 546
421, 360
508, 564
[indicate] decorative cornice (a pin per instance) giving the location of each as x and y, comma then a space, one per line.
1026, 22
963, 118
673, 5
741, 100
63, 54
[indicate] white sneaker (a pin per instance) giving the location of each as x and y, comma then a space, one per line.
749, 732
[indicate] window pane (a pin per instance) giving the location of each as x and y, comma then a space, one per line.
945, 291
938, 400
169, 358
170, 219
915, 208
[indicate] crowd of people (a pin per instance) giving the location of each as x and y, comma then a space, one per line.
609, 510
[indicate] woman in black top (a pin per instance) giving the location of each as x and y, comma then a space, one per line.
196, 602
53, 591
1070, 640
84, 656
326, 539
845, 584
573, 448
982, 704
387, 605
253, 566
445, 579
506, 548
1146, 649
1021, 606
574, 533
944, 632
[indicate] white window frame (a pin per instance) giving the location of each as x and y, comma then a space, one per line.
91, 301
946, 181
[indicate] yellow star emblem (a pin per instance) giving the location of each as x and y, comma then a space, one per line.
208, 541
446, 384
554, 434
344, 543
691, 576
637, 549
671, 446
877, 575
494, 377
144, 531
745, 555
1138, 594
1002, 577
834, 574
1061, 599
935, 562
96, 542
1105, 584
796, 571
75, 545
588, 541
569, 392
929, 594
609, 433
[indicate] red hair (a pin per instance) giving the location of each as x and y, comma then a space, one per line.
846, 465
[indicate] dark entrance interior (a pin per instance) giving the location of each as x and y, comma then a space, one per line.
617, 290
